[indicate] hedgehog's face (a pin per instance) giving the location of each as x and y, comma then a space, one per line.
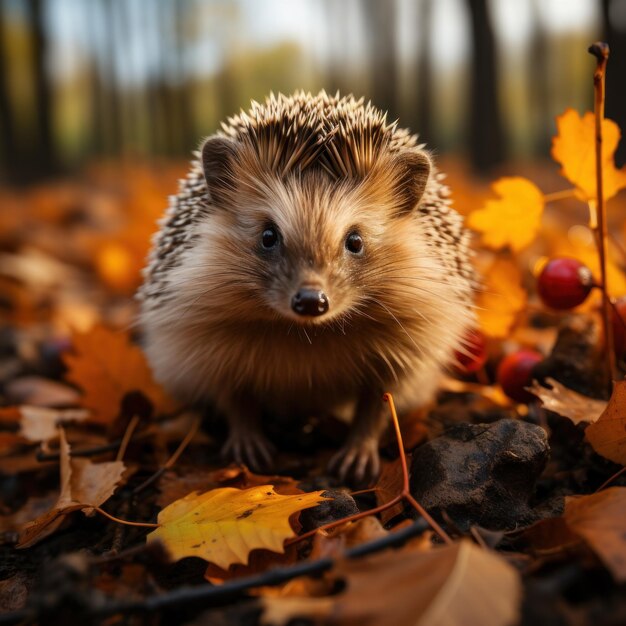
306, 248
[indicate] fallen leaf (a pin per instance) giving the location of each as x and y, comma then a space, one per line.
224, 525
334, 542
607, 435
38, 391
175, 485
389, 485
574, 148
458, 584
13, 592
501, 298
567, 402
107, 366
84, 485
514, 218
599, 520
41, 424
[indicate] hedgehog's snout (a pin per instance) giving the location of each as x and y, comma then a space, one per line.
309, 302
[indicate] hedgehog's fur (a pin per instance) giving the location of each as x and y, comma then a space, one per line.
215, 308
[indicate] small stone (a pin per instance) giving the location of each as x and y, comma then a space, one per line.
481, 474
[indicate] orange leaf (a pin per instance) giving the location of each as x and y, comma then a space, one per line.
599, 520
107, 366
501, 298
514, 218
574, 148
608, 434
567, 402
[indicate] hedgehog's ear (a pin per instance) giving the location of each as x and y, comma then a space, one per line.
412, 171
218, 159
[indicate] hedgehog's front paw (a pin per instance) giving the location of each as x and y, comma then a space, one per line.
357, 462
249, 447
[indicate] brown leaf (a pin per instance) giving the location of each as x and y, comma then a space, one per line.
389, 485
607, 435
458, 584
567, 402
84, 485
107, 366
336, 541
600, 520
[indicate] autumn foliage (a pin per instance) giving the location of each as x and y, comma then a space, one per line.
102, 464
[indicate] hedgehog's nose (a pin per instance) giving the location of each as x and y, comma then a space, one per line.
311, 302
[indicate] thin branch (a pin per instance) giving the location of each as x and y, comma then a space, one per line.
170, 462
559, 195
130, 429
601, 51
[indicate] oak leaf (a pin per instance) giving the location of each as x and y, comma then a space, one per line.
224, 525
607, 435
458, 584
514, 218
107, 366
501, 298
84, 485
574, 148
567, 402
599, 520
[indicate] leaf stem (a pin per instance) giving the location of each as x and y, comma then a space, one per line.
130, 429
601, 51
123, 521
170, 462
559, 195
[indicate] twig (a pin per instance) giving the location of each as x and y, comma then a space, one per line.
559, 195
405, 494
130, 429
123, 521
170, 462
107, 447
609, 480
601, 51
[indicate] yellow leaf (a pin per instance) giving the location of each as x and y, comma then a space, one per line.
607, 435
107, 366
514, 218
501, 298
574, 148
223, 526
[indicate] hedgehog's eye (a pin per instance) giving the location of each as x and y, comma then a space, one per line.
269, 237
354, 243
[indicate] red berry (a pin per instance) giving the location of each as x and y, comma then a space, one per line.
619, 326
564, 283
515, 373
473, 355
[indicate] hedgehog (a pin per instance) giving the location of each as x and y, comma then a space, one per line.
310, 261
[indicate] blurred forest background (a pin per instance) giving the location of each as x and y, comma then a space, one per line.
95, 80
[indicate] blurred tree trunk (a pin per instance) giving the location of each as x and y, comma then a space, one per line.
111, 108
538, 84
43, 159
380, 26
616, 70
425, 118
9, 152
186, 140
485, 134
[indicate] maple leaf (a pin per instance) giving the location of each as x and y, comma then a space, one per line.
607, 435
501, 298
84, 485
458, 584
224, 525
599, 520
514, 218
107, 366
574, 147
567, 402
